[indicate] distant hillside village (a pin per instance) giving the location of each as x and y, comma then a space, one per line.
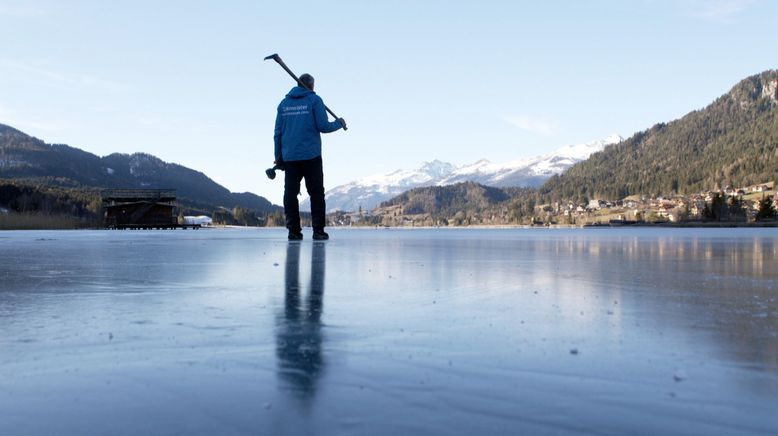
727, 205
756, 203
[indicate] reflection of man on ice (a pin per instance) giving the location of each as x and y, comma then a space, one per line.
299, 334
300, 121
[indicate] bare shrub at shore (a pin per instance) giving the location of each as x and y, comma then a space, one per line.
14, 221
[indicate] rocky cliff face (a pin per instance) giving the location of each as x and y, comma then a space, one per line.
758, 89
770, 90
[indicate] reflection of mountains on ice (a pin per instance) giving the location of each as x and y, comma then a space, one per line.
370, 191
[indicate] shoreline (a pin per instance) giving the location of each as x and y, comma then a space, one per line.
703, 225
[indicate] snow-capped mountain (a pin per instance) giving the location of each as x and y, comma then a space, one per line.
370, 191
527, 172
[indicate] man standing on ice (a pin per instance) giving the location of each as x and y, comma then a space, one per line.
300, 121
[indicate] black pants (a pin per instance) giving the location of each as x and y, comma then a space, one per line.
310, 170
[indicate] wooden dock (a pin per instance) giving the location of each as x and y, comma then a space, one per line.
141, 209
155, 226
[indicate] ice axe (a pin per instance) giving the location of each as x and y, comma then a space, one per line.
277, 58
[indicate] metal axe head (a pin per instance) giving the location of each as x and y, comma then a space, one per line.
273, 56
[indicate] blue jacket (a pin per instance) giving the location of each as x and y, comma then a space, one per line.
300, 121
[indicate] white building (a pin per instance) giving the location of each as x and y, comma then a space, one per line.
597, 204
203, 220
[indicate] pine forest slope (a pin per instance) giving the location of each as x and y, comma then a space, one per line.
733, 141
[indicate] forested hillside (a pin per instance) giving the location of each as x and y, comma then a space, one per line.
733, 141
29, 160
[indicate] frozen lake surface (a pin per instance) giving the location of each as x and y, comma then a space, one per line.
389, 332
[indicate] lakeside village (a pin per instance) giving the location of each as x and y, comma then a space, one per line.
756, 204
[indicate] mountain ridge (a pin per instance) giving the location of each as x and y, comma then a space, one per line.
369, 192
24, 157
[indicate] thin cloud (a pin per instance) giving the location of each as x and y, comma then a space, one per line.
27, 68
20, 10
717, 11
57, 79
14, 119
540, 126
721, 10
174, 123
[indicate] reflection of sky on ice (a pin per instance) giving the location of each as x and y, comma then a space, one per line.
383, 331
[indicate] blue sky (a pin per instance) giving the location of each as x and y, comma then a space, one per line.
416, 80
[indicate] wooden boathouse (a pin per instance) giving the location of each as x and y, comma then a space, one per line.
141, 209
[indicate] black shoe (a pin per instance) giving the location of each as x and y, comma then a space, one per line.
296, 236
320, 235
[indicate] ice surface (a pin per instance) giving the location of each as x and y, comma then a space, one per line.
624, 331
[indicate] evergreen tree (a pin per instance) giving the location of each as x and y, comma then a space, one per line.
766, 209
718, 210
736, 210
